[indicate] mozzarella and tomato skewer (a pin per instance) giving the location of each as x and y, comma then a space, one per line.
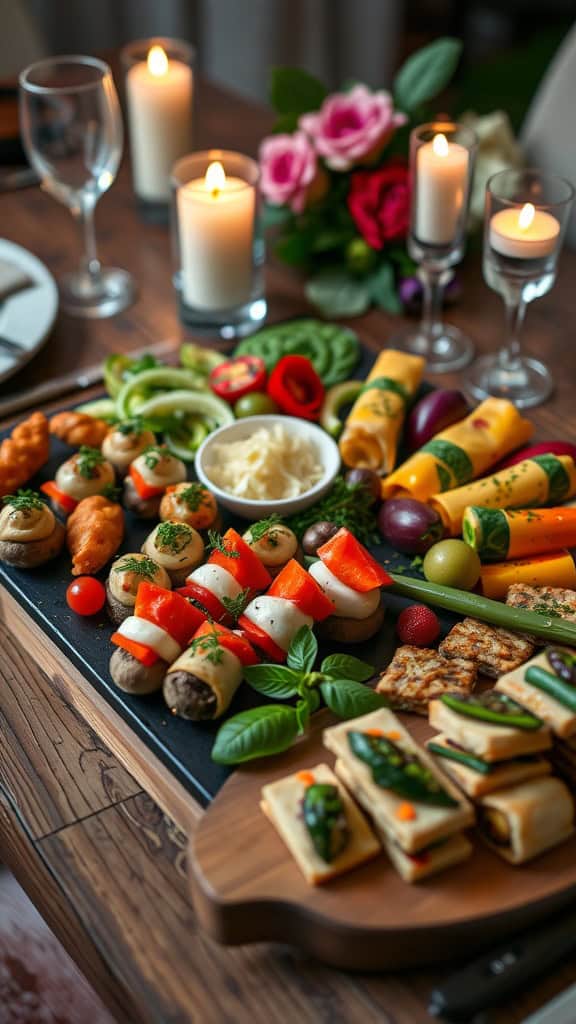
294, 600
149, 640
202, 681
149, 476
351, 579
230, 577
84, 475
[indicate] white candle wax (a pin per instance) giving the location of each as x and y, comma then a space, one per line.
216, 233
160, 119
524, 234
441, 179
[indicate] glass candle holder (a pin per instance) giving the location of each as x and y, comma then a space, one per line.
527, 213
159, 87
218, 243
442, 157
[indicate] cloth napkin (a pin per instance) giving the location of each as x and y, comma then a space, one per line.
12, 279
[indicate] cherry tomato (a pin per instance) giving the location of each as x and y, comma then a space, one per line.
86, 595
238, 376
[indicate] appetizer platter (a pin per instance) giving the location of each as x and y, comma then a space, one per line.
333, 606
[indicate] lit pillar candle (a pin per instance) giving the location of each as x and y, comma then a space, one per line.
216, 217
441, 182
524, 234
159, 94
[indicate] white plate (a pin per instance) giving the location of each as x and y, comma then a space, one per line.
28, 316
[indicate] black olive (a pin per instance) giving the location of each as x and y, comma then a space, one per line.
317, 535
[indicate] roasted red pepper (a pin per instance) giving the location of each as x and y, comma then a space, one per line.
294, 584
238, 377
145, 655
67, 504
237, 557
352, 563
208, 601
144, 489
261, 640
236, 643
169, 610
296, 387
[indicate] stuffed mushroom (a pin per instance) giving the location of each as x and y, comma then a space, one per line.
124, 443
149, 475
126, 575
274, 543
30, 534
177, 547
87, 473
191, 503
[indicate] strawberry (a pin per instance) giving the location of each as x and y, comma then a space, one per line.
418, 625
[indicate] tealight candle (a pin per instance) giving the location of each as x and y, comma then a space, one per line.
441, 188
524, 233
216, 218
159, 95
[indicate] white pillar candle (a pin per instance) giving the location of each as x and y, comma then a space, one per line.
524, 234
159, 94
441, 181
216, 235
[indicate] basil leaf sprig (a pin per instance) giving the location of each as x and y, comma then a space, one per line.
272, 728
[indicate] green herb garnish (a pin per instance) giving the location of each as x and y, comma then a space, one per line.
88, 460
216, 542
135, 425
111, 492
235, 605
194, 495
172, 536
145, 567
153, 454
208, 645
398, 770
345, 504
325, 820
24, 501
266, 526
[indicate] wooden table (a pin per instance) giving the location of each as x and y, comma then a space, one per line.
97, 856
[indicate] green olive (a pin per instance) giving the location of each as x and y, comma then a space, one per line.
453, 564
254, 404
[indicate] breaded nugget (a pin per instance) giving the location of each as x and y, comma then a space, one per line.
417, 675
24, 452
77, 428
94, 533
494, 651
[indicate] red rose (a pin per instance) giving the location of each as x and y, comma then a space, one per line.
379, 202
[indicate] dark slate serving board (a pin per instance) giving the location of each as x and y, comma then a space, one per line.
184, 747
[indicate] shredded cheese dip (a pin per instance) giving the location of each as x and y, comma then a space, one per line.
270, 464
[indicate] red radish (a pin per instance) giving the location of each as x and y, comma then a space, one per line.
543, 448
418, 625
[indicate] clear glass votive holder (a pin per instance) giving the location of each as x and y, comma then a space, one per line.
159, 91
218, 243
442, 155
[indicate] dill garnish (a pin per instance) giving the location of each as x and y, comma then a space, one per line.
145, 567
208, 645
153, 454
24, 501
111, 492
347, 505
235, 605
266, 526
135, 425
173, 536
88, 460
217, 543
193, 495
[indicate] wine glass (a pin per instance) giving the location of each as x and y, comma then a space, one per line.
527, 213
72, 133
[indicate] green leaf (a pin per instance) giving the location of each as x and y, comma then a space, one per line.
303, 715
382, 285
303, 650
273, 680
274, 216
258, 732
332, 238
425, 73
346, 666
348, 699
295, 91
336, 293
285, 124
295, 247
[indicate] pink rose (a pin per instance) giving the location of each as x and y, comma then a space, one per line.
288, 166
352, 125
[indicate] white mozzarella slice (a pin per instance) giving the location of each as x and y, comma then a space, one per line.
147, 633
217, 580
279, 618
348, 603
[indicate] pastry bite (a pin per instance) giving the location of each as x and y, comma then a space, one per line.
84, 475
126, 575
124, 442
490, 725
149, 475
539, 688
494, 651
274, 543
351, 579
78, 428
319, 822
523, 821
477, 777
24, 452
177, 547
417, 675
202, 681
30, 534
191, 503
94, 532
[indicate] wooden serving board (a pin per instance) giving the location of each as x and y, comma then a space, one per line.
247, 888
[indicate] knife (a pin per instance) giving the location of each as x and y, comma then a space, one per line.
499, 974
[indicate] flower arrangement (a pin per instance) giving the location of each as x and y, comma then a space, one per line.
334, 176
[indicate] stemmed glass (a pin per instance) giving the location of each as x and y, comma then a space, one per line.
527, 213
72, 133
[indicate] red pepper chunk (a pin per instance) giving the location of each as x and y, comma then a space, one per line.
261, 640
145, 655
236, 643
209, 602
241, 562
145, 490
67, 504
352, 563
237, 377
296, 387
169, 610
294, 584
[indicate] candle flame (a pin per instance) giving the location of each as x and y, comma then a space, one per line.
526, 216
157, 61
215, 178
440, 145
